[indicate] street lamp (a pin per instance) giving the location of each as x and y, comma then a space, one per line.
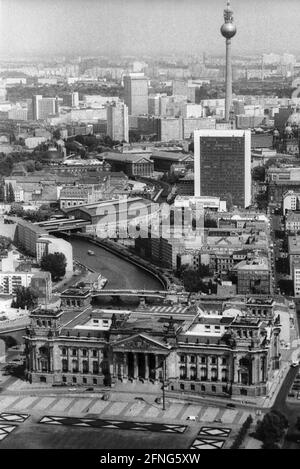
164, 379
158, 399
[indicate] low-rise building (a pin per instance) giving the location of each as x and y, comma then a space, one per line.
292, 221
73, 196
81, 166
253, 276
293, 251
133, 164
211, 203
296, 278
290, 201
164, 159
27, 235
40, 282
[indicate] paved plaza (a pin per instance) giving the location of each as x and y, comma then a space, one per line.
95, 406
38, 416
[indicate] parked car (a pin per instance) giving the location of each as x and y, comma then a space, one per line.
230, 405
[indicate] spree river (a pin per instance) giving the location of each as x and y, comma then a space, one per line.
119, 273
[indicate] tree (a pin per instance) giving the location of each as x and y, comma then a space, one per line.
55, 264
17, 210
203, 270
25, 297
210, 222
242, 433
258, 173
271, 428
261, 199
10, 193
270, 444
38, 166
192, 279
37, 216
56, 134
30, 166
2, 193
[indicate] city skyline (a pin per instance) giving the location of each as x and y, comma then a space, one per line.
142, 27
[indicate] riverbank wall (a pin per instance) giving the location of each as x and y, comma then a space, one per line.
123, 253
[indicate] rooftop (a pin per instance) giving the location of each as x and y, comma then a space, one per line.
293, 215
167, 155
127, 157
245, 321
46, 312
78, 292
294, 244
259, 263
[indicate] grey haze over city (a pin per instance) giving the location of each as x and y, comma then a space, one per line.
120, 27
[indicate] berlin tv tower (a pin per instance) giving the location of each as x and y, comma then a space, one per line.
228, 30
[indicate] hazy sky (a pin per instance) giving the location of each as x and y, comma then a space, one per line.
154, 26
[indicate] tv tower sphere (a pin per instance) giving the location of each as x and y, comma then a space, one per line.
228, 30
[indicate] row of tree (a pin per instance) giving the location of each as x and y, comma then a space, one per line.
25, 297
242, 433
193, 279
42, 214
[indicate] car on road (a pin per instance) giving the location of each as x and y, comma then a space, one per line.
89, 389
192, 417
230, 405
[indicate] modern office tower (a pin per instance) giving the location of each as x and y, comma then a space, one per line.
117, 121
154, 104
170, 128
222, 165
70, 99
136, 93
180, 87
228, 30
43, 107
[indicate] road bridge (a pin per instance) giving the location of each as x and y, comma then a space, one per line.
64, 225
131, 293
